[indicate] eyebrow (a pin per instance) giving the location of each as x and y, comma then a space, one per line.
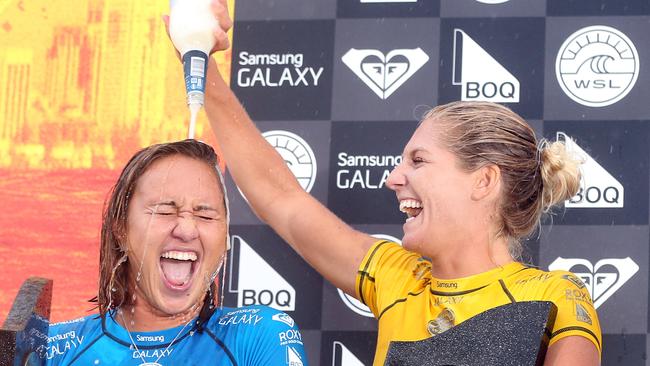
199, 207
204, 207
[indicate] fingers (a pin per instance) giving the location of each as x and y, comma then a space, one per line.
220, 10
165, 19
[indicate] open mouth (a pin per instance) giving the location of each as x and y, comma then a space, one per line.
411, 208
177, 268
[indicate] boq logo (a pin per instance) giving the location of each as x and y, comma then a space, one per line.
602, 279
598, 188
480, 76
257, 283
597, 66
354, 304
342, 356
384, 74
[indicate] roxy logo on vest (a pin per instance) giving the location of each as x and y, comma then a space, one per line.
602, 279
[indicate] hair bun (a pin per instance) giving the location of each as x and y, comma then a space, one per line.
560, 173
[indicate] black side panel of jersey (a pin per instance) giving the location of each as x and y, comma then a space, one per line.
522, 327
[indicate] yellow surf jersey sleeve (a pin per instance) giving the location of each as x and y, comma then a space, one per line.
411, 305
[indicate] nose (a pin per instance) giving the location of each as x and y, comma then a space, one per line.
396, 178
185, 228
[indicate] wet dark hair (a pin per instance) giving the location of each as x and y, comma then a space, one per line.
113, 289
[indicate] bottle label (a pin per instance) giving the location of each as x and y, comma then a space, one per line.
195, 64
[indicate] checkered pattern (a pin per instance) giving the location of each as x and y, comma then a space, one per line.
351, 78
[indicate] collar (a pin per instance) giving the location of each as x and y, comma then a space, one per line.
464, 285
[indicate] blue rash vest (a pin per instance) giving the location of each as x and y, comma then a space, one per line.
252, 335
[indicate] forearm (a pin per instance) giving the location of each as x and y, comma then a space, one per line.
258, 170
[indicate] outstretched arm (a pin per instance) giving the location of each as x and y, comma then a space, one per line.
332, 247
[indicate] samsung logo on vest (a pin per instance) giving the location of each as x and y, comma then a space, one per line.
158, 338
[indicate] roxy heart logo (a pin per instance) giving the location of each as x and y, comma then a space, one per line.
384, 74
602, 279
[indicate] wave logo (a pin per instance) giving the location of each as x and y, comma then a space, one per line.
598, 188
342, 356
492, 1
257, 282
298, 155
480, 76
603, 279
384, 74
597, 66
354, 304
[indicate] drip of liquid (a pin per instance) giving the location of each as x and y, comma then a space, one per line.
194, 112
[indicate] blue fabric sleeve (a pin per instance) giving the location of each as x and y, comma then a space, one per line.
278, 342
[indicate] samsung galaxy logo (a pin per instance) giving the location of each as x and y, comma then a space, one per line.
275, 70
364, 178
344, 159
158, 338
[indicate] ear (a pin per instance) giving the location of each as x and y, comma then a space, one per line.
487, 182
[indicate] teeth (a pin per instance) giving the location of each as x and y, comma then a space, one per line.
180, 256
403, 205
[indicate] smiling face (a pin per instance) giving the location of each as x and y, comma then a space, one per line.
176, 232
433, 191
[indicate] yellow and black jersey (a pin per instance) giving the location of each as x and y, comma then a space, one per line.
411, 305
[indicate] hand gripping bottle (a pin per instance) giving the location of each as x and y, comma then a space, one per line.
191, 28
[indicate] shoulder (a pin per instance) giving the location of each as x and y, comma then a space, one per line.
556, 286
389, 254
60, 329
67, 337
260, 334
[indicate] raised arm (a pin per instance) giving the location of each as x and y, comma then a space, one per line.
332, 247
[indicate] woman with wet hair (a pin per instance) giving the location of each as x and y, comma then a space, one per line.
473, 183
164, 240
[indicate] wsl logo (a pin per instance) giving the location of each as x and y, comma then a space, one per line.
354, 304
297, 154
480, 76
384, 74
598, 188
342, 356
597, 66
257, 282
602, 279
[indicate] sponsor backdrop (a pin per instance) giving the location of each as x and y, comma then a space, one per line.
337, 87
